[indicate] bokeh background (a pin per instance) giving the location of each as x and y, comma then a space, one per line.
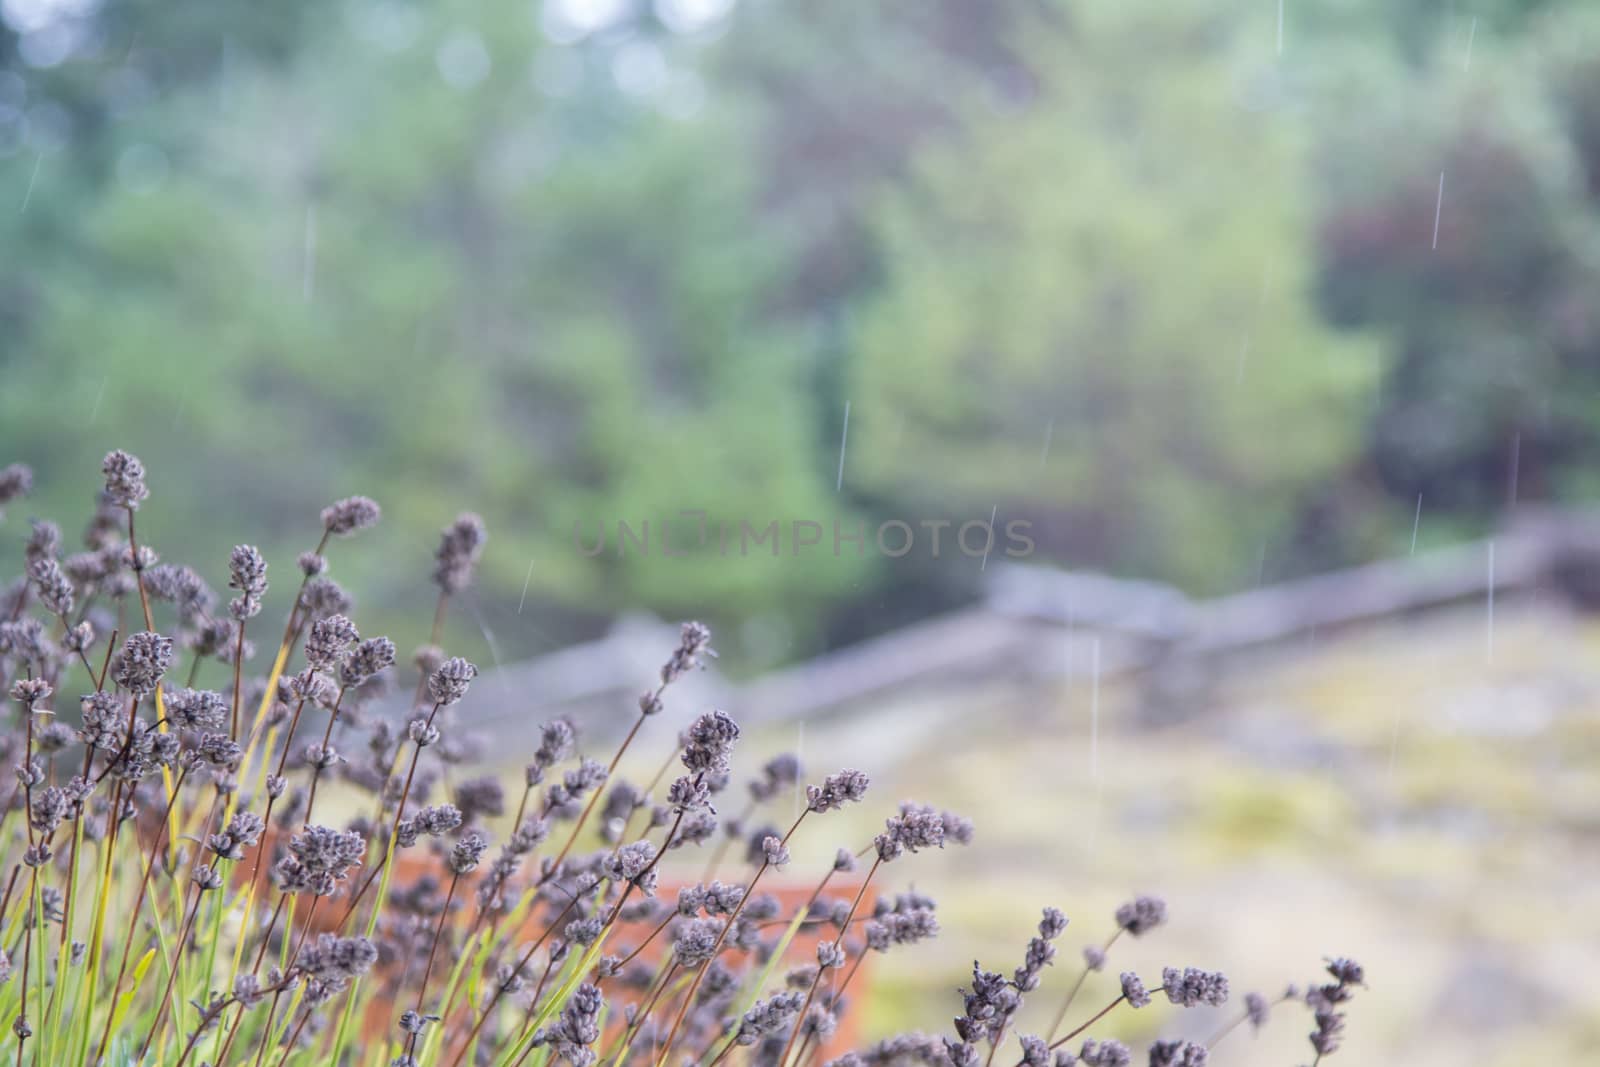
1217, 296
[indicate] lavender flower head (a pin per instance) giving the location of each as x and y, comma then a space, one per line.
635, 864
774, 852
247, 572
1041, 953
1178, 1054
1324, 1001
709, 743
55, 591
182, 587
344, 517
328, 641
777, 774
30, 692
319, 858
432, 821
322, 596
1256, 1010
467, 853
333, 961
44, 541
16, 480
242, 831
1141, 915
449, 683
916, 827
768, 1017
694, 643
460, 545
836, 791
370, 658
144, 659
217, 749
578, 1027
1193, 986
124, 479
694, 941
1105, 1054
556, 741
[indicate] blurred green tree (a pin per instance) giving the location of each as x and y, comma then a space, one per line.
480, 254
1097, 310
1473, 253
452, 267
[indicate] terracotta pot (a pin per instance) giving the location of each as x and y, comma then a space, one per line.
379, 1021
791, 897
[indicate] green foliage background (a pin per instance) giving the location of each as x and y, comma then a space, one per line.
1128, 271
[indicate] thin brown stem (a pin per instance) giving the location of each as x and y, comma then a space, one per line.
238, 674
721, 851
533, 1007
261, 954
500, 990
183, 940
657, 988
594, 797
138, 574
683, 1011
394, 829
1072, 994
629, 958
1096, 1017
127, 742
27, 955
11, 885
327, 739
138, 906
811, 992
1234, 1025
72, 859
105, 664
294, 956
201, 1031
433, 950
172, 976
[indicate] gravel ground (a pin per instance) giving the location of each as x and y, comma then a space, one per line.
1415, 796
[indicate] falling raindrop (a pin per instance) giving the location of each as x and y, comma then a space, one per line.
27, 197
525, 582
844, 438
1489, 621
1438, 206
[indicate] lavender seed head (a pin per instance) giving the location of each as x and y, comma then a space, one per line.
449, 683
468, 852
353, 513
1178, 1054
144, 659
247, 572
1141, 915
124, 479
460, 546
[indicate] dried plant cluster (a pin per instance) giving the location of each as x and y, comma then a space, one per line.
174, 894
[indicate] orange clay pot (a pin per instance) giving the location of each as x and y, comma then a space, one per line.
379, 1021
